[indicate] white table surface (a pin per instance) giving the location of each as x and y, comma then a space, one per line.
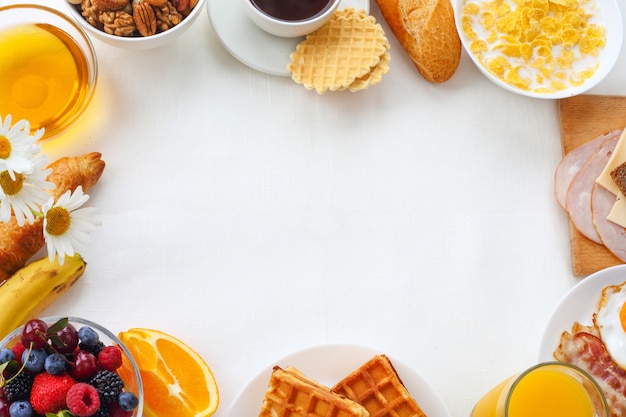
252, 218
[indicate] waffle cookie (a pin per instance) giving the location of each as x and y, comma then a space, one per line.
377, 387
351, 52
291, 394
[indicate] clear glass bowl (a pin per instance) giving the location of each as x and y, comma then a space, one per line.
132, 381
40, 99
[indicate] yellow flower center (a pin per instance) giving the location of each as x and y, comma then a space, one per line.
5, 147
58, 221
10, 186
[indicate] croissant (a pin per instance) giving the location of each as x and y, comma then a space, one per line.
19, 244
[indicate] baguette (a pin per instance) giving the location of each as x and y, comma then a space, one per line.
427, 31
19, 244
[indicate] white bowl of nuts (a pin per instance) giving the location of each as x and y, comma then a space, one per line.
135, 24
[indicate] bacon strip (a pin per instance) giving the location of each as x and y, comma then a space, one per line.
589, 353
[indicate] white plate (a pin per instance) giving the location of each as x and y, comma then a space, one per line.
579, 304
252, 46
328, 364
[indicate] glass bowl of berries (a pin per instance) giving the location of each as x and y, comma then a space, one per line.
67, 367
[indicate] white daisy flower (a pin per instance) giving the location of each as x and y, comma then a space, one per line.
24, 194
17, 146
66, 226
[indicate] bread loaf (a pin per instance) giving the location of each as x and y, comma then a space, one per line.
427, 31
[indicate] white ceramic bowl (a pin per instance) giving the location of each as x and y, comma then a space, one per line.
137, 42
287, 28
607, 15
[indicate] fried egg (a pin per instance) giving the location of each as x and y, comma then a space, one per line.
610, 320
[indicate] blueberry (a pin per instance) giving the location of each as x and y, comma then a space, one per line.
55, 364
34, 360
6, 355
21, 409
127, 401
88, 336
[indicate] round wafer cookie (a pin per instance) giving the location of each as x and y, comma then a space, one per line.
335, 55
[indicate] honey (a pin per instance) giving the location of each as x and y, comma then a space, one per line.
44, 76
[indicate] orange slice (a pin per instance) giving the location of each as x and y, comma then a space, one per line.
176, 380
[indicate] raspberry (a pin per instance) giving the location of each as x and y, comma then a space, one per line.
110, 358
49, 391
82, 400
18, 349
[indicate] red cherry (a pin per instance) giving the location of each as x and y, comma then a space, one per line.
66, 339
35, 332
85, 366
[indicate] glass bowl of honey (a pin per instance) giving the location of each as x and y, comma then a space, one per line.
48, 70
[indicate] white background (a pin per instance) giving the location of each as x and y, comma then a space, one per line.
252, 218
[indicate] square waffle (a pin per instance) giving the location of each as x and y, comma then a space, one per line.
376, 386
351, 51
292, 394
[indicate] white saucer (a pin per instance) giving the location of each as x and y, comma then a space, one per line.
327, 364
252, 46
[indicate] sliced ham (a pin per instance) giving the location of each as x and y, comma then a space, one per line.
578, 198
571, 164
612, 235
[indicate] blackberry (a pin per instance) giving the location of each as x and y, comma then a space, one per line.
109, 385
18, 388
93, 349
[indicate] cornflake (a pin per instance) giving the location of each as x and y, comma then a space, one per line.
542, 46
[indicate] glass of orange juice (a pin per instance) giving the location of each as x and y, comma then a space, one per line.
48, 68
549, 389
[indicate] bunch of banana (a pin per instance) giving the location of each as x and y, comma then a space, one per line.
34, 287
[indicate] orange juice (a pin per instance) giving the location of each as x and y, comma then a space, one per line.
44, 76
548, 390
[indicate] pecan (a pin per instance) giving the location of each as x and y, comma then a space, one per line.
118, 23
167, 16
109, 5
156, 3
181, 5
145, 20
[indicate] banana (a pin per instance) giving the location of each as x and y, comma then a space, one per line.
35, 287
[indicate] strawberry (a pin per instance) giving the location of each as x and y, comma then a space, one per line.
110, 358
49, 392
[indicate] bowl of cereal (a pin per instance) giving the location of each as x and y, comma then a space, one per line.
547, 49
53, 365
135, 24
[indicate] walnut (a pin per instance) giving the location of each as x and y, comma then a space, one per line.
144, 17
119, 23
90, 13
167, 17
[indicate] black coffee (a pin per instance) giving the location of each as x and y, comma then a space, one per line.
292, 9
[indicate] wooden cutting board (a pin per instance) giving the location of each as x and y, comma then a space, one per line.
583, 118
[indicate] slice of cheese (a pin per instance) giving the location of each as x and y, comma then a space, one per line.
617, 158
618, 212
